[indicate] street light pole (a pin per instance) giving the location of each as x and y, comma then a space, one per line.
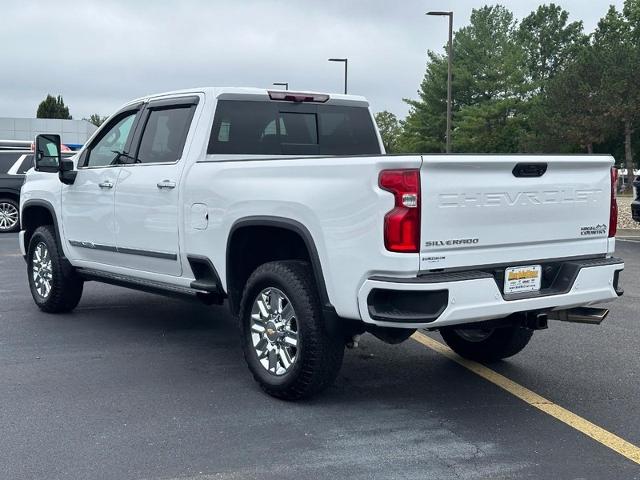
346, 62
450, 63
282, 84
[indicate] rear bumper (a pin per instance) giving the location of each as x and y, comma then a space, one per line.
437, 300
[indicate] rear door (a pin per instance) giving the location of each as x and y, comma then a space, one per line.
484, 210
147, 197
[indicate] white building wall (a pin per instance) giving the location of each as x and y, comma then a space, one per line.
71, 131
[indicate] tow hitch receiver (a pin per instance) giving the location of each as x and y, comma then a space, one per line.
590, 315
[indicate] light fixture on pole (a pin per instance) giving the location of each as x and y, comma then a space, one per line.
450, 62
346, 62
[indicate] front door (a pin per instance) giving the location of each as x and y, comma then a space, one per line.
147, 197
88, 205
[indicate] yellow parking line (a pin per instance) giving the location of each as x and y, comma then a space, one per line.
608, 439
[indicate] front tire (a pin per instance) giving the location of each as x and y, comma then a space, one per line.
55, 287
486, 344
285, 341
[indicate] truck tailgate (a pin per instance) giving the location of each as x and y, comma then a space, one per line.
485, 210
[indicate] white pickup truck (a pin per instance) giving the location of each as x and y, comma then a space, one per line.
285, 206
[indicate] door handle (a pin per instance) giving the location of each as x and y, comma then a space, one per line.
106, 184
166, 184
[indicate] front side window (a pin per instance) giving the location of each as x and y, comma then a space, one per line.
112, 143
164, 135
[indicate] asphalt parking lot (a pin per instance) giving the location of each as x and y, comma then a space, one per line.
136, 386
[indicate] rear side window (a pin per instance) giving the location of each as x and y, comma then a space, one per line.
164, 134
277, 128
15, 163
7, 160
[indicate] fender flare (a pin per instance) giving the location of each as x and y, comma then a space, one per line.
296, 227
48, 206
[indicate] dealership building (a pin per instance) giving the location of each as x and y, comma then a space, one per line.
72, 132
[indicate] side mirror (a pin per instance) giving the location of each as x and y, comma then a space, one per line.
47, 153
67, 174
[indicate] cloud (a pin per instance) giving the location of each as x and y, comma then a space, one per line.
100, 54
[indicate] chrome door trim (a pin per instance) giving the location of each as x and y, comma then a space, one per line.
124, 251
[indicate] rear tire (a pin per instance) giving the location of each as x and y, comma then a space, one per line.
486, 344
55, 287
285, 341
9, 215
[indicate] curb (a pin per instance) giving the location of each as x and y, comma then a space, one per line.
629, 233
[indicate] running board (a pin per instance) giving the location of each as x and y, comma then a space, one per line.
150, 286
590, 315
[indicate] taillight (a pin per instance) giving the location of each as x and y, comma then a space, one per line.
402, 224
613, 214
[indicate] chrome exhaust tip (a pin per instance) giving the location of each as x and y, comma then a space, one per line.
590, 315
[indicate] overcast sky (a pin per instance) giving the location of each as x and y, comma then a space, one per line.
99, 54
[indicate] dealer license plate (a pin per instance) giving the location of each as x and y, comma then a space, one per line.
522, 279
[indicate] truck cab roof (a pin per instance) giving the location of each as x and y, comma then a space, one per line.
258, 94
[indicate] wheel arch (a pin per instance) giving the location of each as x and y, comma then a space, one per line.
10, 194
277, 224
35, 213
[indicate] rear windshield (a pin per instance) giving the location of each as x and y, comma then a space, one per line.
282, 128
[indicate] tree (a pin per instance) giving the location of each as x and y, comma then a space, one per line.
494, 126
538, 86
617, 50
53, 107
389, 127
487, 57
548, 43
96, 119
424, 128
574, 104
487, 67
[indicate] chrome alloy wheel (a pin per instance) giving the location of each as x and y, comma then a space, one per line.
8, 216
41, 270
474, 334
274, 331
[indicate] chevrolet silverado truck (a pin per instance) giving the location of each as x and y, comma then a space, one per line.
285, 206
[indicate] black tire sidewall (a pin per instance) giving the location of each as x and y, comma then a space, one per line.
502, 343
66, 286
43, 235
257, 283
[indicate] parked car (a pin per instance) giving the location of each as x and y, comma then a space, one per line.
285, 205
15, 159
13, 166
635, 205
